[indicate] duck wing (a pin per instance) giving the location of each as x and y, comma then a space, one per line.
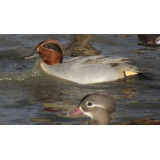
100, 59
105, 60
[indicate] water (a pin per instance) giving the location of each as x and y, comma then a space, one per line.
30, 96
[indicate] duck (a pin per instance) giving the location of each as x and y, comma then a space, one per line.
97, 106
84, 69
100, 106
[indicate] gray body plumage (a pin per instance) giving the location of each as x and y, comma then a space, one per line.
90, 69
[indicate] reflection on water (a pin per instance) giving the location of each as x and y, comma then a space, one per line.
30, 96
81, 46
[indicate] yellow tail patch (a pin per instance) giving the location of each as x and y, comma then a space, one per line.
129, 73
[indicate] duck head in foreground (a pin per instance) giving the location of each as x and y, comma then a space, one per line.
82, 70
97, 106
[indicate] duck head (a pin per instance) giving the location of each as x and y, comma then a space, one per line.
97, 106
50, 51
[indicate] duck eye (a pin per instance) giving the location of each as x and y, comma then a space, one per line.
89, 104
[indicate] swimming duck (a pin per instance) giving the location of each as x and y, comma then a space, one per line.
99, 106
82, 70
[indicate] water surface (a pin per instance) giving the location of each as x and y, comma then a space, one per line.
30, 96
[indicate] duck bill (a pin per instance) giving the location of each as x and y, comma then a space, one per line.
76, 111
32, 55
